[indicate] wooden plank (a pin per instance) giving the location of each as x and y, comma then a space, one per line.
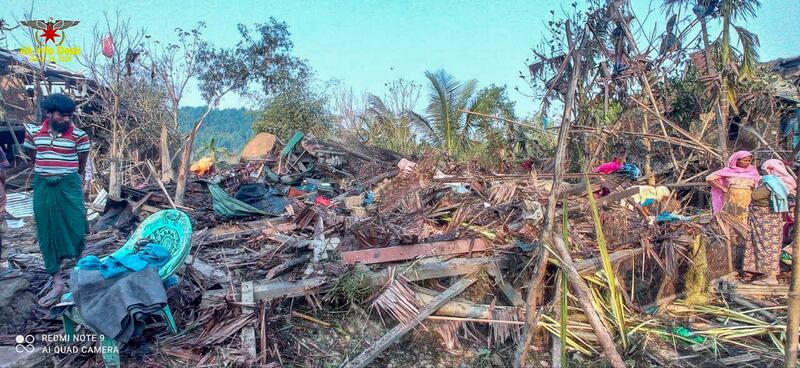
738, 360
248, 332
609, 199
508, 290
286, 289
228, 233
372, 352
277, 270
422, 270
589, 266
406, 252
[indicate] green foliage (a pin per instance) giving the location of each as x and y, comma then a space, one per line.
389, 128
210, 148
262, 57
296, 108
686, 95
465, 136
603, 117
229, 128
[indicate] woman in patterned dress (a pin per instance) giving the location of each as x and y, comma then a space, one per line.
770, 201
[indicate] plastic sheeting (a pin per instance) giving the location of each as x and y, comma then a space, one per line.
229, 207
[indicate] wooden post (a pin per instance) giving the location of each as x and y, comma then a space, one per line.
167, 175
793, 322
248, 332
186, 156
648, 152
535, 285
722, 119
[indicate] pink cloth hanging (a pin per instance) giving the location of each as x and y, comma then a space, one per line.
108, 46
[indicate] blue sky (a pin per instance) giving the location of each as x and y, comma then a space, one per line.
368, 43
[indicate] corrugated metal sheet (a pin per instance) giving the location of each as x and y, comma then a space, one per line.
100, 202
19, 205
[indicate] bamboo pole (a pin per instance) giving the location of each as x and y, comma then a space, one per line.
648, 155
793, 323
535, 285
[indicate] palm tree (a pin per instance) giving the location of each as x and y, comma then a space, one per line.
447, 125
389, 128
734, 65
210, 148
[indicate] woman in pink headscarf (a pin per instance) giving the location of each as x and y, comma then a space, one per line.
777, 168
732, 186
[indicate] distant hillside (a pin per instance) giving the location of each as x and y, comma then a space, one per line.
232, 128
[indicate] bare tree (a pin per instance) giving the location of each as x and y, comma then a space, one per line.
264, 60
175, 64
113, 88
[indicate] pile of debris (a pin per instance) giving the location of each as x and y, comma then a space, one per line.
302, 255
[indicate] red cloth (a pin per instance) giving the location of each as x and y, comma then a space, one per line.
609, 167
527, 164
322, 201
293, 193
108, 46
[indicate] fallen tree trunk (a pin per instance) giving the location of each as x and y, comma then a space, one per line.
582, 295
535, 285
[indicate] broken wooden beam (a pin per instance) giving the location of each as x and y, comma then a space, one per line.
752, 306
406, 252
374, 350
582, 295
230, 233
248, 331
609, 199
283, 267
508, 290
286, 289
463, 309
209, 272
739, 360
589, 266
429, 269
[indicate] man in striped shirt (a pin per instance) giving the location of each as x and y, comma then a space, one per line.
59, 151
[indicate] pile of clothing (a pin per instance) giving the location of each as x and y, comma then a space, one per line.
115, 294
616, 165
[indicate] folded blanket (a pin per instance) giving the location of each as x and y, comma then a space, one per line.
116, 307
